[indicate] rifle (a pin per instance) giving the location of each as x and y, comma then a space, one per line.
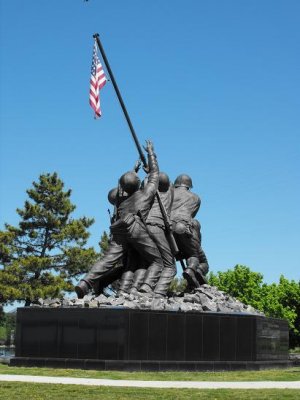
110, 217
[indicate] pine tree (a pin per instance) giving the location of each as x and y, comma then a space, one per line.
41, 256
104, 242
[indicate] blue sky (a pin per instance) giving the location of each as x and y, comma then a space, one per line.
214, 84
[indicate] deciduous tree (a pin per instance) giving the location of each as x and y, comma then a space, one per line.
241, 283
280, 300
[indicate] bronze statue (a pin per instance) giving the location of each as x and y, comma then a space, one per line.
129, 229
141, 256
187, 230
156, 227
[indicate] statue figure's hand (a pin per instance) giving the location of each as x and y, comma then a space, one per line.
149, 147
137, 166
146, 169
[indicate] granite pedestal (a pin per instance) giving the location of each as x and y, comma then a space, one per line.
126, 339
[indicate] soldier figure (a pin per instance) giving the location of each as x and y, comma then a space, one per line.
156, 227
187, 230
129, 230
133, 278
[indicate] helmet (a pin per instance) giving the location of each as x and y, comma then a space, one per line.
130, 182
164, 182
183, 180
112, 196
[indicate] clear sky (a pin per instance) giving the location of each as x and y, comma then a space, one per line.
215, 84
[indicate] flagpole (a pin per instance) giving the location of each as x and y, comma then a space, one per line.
171, 239
137, 143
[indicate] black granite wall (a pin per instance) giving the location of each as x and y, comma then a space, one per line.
124, 334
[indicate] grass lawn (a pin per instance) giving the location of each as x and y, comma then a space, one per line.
37, 391
289, 374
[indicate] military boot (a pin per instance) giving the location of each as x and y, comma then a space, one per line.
190, 276
82, 289
190, 272
200, 276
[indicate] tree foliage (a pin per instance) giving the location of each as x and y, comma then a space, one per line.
280, 300
8, 328
177, 285
241, 283
104, 242
41, 256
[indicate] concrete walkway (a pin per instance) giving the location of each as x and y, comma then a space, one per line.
151, 384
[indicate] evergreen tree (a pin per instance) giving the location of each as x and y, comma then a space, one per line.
104, 242
41, 256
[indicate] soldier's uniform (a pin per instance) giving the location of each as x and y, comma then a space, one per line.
129, 231
187, 230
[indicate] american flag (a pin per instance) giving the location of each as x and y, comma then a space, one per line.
98, 80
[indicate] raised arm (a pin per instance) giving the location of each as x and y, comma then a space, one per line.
153, 171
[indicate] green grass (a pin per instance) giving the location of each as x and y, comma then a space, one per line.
37, 391
289, 374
